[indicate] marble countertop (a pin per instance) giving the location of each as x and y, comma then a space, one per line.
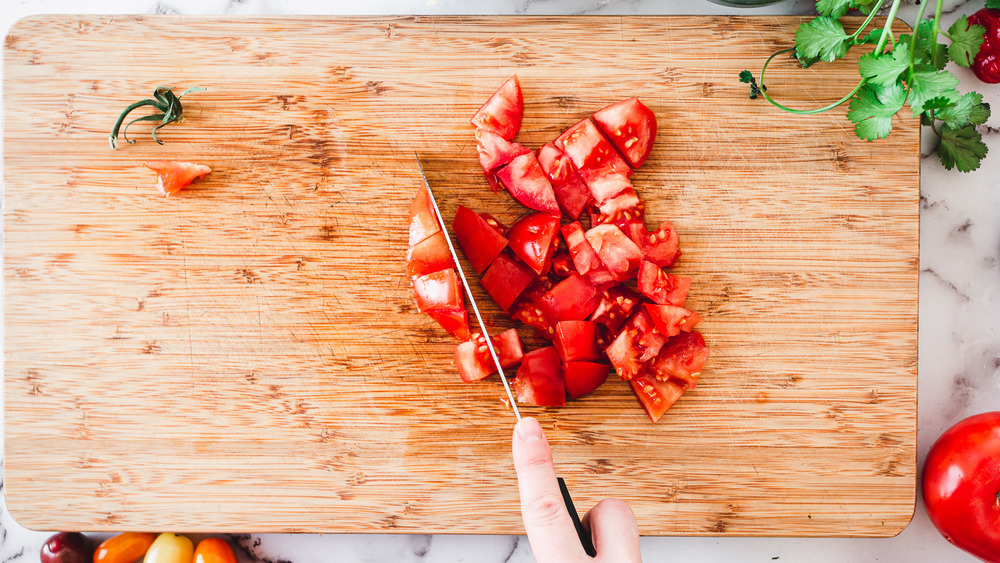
959, 342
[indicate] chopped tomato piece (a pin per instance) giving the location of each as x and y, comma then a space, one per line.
681, 359
582, 378
505, 279
619, 255
576, 341
562, 264
615, 307
619, 214
524, 178
429, 256
532, 238
493, 181
631, 128
529, 313
572, 299
670, 320
661, 247
624, 352
438, 290
655, 396
470, 368
585, 258
509, 348
661, 287
172, 176
648, 338
473, 358
453, 320
495, 151
478, 236
601, 167
571, 192
503, 111
423, 220
540, 380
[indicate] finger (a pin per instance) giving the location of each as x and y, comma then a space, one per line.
614, 531
546, 520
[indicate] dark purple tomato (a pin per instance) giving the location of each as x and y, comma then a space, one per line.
67, 547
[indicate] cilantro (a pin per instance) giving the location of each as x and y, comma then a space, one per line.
884, 68
969, 109
833, 8
823, 38
872, 109
925, 45
926, 84
965, 41
747, 78
993, 4
961, 148
872, 37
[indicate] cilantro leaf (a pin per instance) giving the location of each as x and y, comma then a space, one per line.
872, 108
822, 37
968, 109
833, 8
993, 4
864, 5
746, 77
884, 68
965, 41
924, 48
873, 36
926, 84
961, 148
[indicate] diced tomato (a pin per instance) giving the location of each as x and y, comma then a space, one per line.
505, 279
615, 307
470, 368
453, 320
655, 396
438, 290
509, 348
576, 341
585, 258
562, 264
624, 352
540, 380
493, 181
473, 357
172, 176
648, 338
631, 128
478, 236
429, 256
661, 247
495, 151
529, 313
571, 192
599, 164
423, 220
582, 378
670, 320
619, 255
532, 237
524, 178
572, 299
681, 359
503, 111
621, 217
661, 287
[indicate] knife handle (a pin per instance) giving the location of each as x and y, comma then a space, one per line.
588, 544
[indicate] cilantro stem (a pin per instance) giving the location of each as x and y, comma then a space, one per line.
854, 36
937, 29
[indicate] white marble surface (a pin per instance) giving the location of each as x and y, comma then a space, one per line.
959, 345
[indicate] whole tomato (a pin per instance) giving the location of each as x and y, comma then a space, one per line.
986, 64
961, 485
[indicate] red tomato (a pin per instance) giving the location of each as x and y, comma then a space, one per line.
429, 256
505, 279
172, 177
661, 247
961, 485
480, 237
423, 220
631, 128
670, 320
623, 353
585, 258
524, 178
599, 164
473, 357
532, 237
986, 64
495, 151
540, 380
582, 378
213, 550
454, 320
438, 290
619, 213
655, 396
562, 264
615, 307
649, 339
576, 341
681, 359
571, 192
661, 287
529, 313
572, 299
619, 255
502, 112
494, 183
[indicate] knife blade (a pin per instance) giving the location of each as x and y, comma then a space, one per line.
585, 540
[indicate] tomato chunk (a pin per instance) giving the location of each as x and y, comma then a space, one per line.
479, 238
576, 341
631, 128
661, 287
524, 178
503, 111
453, 320
583, 378
423, 220
681, 359
429, 256
601, 167
670, 320
540, 380
172, 177
661, 247
495, 151
616, 307
562, 264
619, 255
655, 396
505, 279
532, 238
572, 299
571, 192
473, 357
438, 290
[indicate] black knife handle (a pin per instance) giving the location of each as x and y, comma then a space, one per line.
588, 544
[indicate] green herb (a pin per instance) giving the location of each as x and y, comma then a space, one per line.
164, 100
907, 69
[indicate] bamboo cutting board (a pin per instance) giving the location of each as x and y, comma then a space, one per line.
246, 355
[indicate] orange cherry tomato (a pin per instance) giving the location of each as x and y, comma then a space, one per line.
213, 550
124, 548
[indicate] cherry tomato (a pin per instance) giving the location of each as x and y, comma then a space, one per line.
172, 177
539, 380
631, 127
532, 240
170, 548
124, 548
961, 485
986, 64
524, 178
503, 111
213, 550
66, 547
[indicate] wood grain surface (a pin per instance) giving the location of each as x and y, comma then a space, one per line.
246, 355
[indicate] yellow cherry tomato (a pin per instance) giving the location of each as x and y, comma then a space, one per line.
214, 550
170, 548
124, 548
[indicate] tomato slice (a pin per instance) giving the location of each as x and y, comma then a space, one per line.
681, 359
621, 217
503, 111
540, 380
599, 164
453, 320
571, 192
576, 341
631, 128
505, 279
479, 236
670, 320
429, 256
509, 348
661, 247
495, 151
661, 287
524, 178
619, 255
172, 176
655, 396
616, 307
423, 220
531, 238
438, 290
583, 378
572, 299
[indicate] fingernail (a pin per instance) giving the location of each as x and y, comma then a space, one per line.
529, 430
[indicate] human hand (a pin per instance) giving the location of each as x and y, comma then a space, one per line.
550, 529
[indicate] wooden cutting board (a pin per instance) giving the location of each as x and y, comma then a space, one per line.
246, 355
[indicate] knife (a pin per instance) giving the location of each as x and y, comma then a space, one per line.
588, 544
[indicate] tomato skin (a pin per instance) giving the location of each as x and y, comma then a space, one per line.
661, 287
572, 299
571, 192
961, 485
495, 151
480, 237
631, 128
172, 177
503, 111
169, 548
505, 280
213, 550
124, 548
531, 239
539, 380
583, 378
524, 178
576, 341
